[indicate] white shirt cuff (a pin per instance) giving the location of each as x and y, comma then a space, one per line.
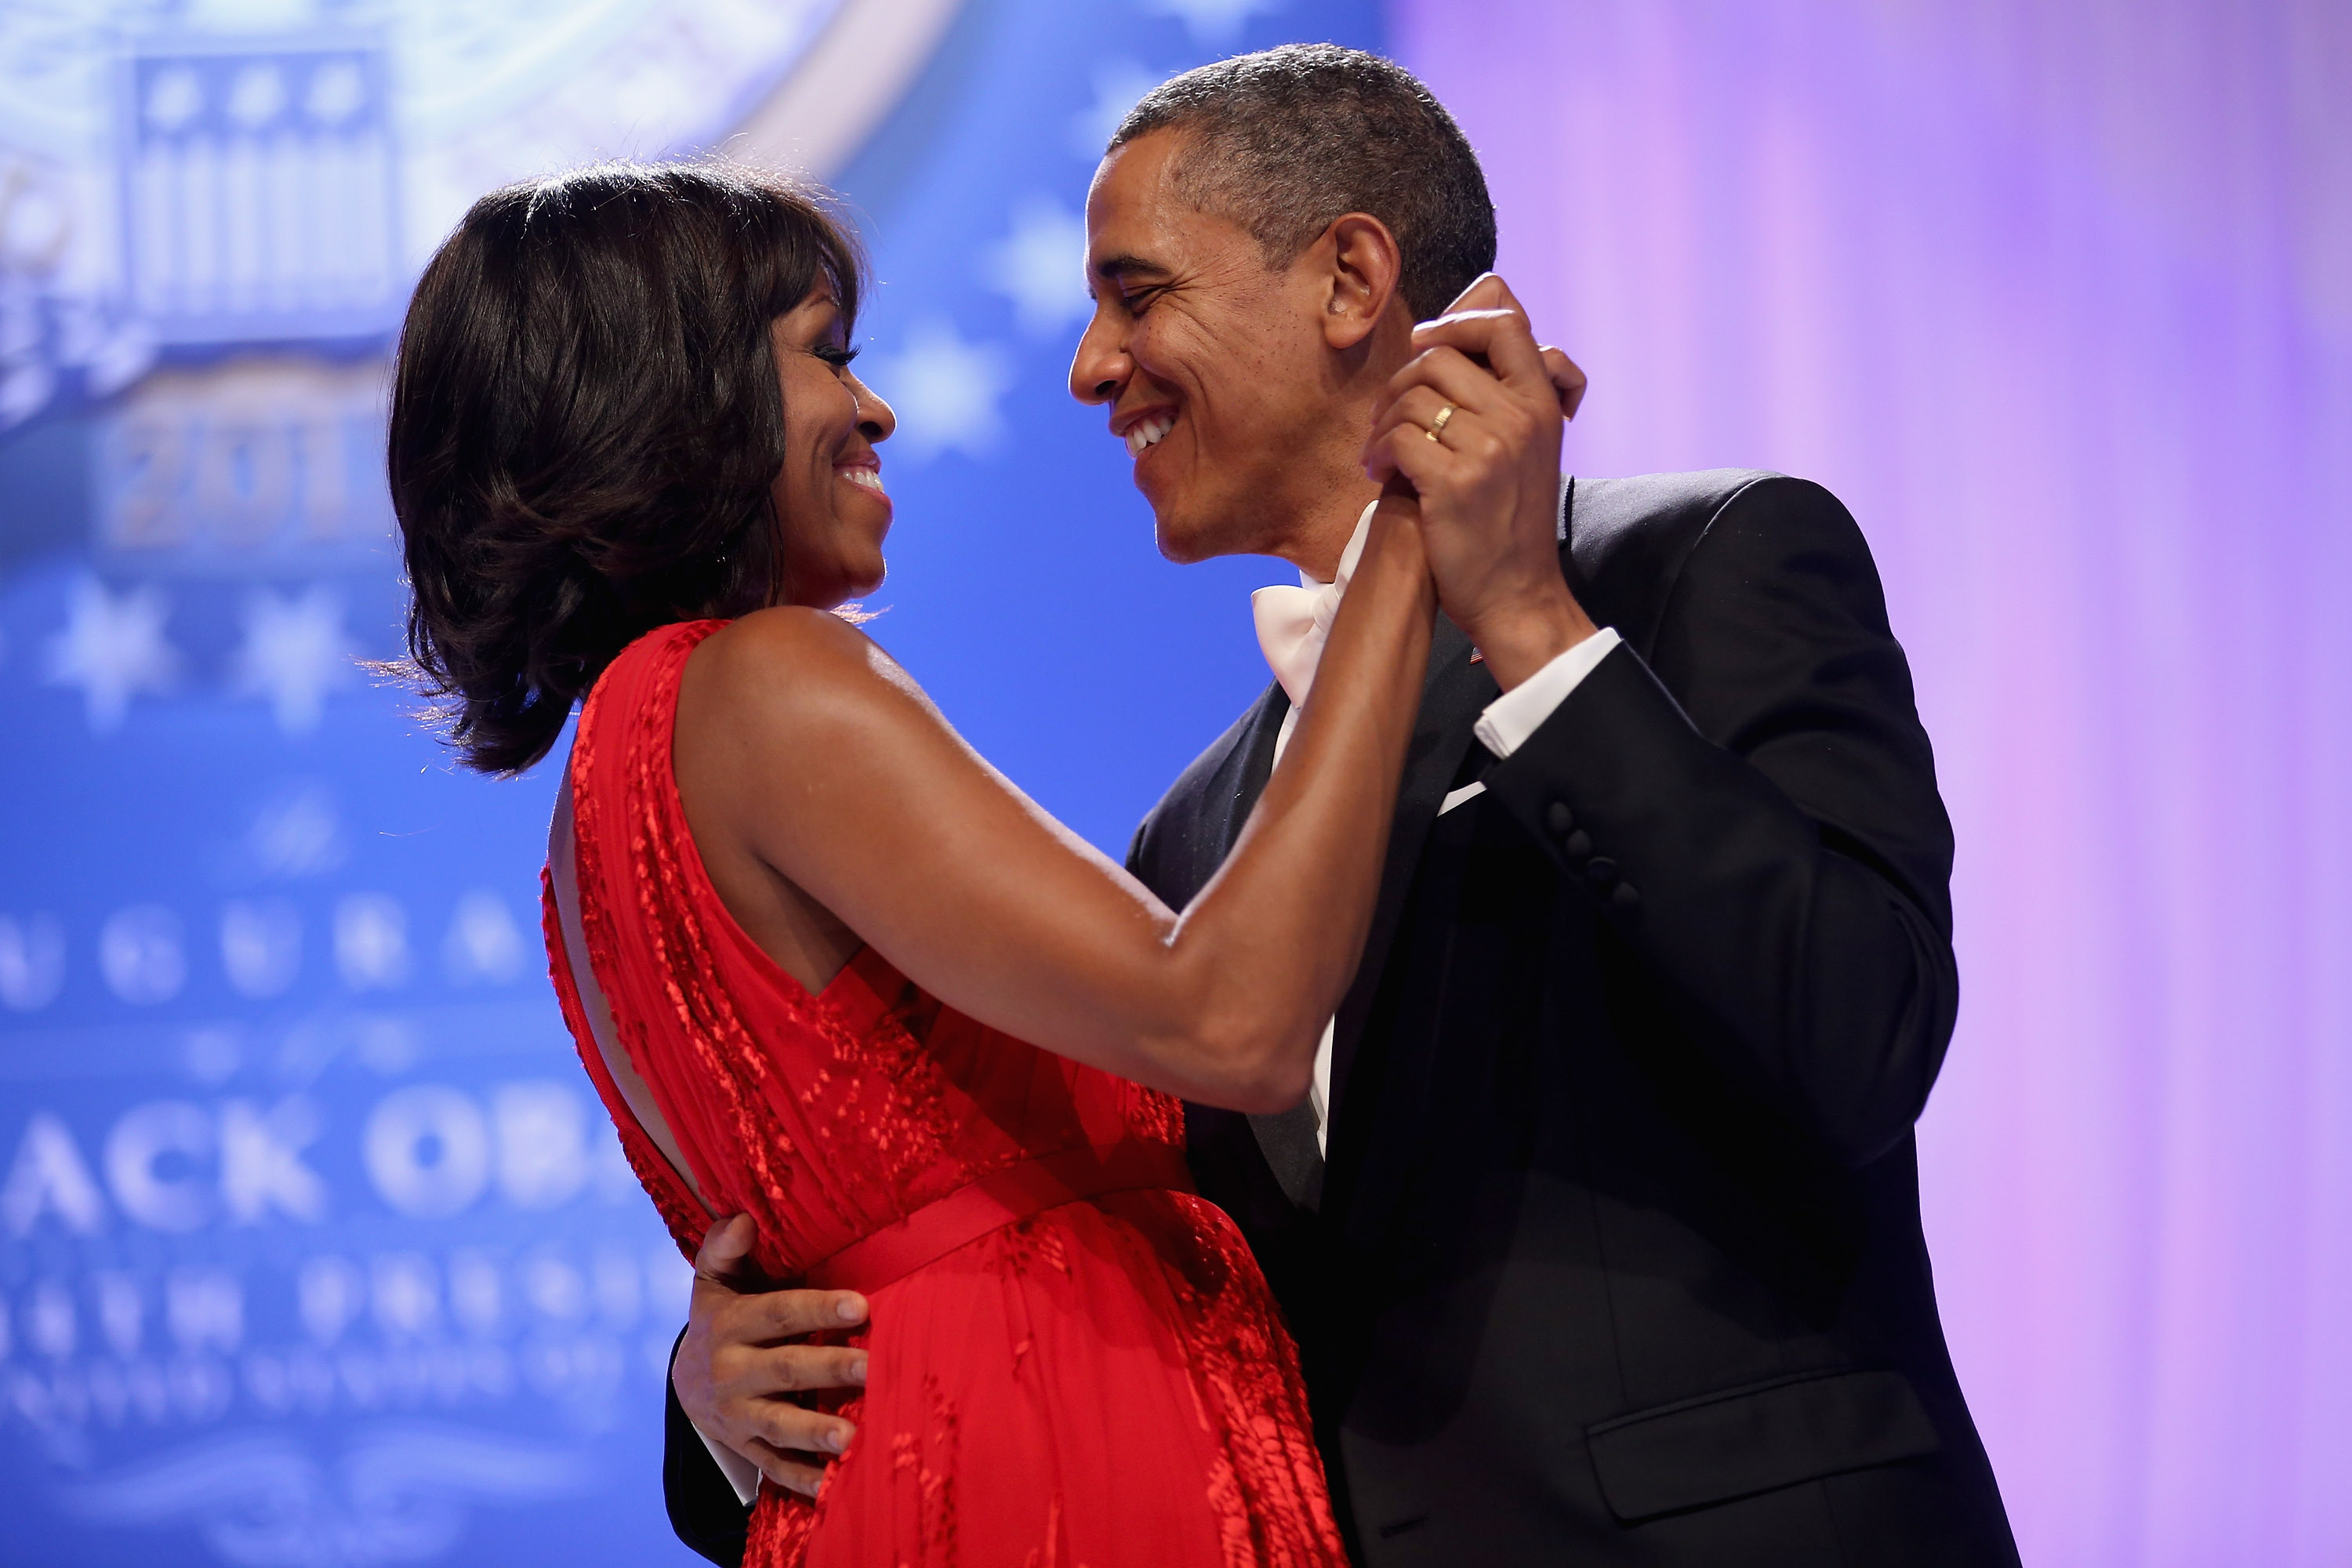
740, 1473
1519, 712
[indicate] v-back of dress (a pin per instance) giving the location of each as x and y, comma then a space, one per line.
1073, 1359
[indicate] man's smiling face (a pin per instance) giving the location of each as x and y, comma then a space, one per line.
1214, 366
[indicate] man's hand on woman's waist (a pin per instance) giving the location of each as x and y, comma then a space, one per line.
745, 1365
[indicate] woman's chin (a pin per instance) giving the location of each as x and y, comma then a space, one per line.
834, 590
868, 582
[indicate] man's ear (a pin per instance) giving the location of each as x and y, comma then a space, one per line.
1363, 271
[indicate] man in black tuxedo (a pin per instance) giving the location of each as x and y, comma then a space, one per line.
1616, 1255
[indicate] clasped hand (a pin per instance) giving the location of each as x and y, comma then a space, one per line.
1473, 425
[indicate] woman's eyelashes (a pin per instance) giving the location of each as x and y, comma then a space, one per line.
837, 356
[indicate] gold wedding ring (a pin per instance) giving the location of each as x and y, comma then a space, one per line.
1437, 426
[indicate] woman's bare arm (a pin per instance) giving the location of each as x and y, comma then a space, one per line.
829, 797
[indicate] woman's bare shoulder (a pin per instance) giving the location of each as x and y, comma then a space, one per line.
789, 671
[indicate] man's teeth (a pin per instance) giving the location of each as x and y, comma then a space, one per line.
869, 477
1148, 434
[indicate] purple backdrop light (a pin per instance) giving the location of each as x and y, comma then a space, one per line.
2060, 301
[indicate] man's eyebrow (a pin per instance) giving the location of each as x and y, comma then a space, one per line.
1118, 268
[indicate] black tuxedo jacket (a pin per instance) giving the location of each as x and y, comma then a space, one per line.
1617, 1255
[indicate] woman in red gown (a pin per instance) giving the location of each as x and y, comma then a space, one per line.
827, 968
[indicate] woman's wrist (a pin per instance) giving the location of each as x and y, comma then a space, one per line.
1393, 542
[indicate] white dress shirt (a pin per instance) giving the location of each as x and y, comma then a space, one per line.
1502, 728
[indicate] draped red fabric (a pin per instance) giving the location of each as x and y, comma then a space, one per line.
1103, 1381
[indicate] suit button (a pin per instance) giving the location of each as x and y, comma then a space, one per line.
1601, 869
1578, 843
1625, 897
1558, 818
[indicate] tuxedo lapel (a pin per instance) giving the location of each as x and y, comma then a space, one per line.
1456, 691
1253, 760
1452, 695
1187, 837
1286, 1139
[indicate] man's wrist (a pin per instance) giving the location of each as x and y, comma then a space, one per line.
1518, 639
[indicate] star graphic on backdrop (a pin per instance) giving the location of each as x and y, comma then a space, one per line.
300, 833
945, 391
483, 942
294, 654
1040, 265
1118, 84
1213, 21
113, 647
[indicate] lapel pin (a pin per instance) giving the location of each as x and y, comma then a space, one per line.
1476, 657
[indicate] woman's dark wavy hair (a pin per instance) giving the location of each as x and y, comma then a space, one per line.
585, 423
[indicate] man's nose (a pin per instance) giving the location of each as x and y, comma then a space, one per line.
1100, 367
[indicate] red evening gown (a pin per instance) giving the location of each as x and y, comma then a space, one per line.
1074, 1360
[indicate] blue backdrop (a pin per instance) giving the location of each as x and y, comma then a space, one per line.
315, 1248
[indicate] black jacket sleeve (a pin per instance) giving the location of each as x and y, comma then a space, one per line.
703, 1509
1756, 811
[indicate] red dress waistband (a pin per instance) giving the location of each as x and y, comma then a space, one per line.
992, 1203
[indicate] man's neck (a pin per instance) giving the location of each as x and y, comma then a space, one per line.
1315, 543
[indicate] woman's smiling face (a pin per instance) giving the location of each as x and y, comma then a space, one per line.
828, 496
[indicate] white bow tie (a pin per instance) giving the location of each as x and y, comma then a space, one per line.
1292, 623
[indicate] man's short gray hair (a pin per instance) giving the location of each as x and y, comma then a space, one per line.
1287, 140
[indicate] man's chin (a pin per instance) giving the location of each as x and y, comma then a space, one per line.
1186, 536
1181, 549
